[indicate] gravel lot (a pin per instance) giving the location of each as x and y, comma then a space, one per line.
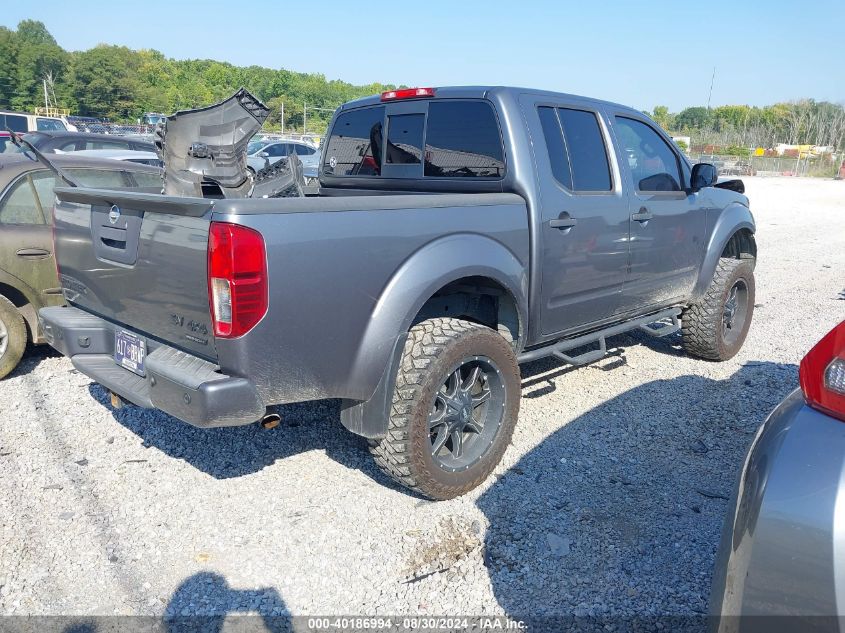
610, 500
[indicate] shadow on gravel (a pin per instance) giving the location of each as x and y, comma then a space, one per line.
202, 602
241, 450
618, 514
33, 355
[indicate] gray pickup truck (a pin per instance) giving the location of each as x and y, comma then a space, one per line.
456, 233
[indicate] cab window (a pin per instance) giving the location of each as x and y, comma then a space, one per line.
653, 164
21, 204
354, 148
42, 124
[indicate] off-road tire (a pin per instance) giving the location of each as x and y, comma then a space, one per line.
701, 322
432, 348
16, 337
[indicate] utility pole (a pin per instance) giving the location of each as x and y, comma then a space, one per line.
304, 118
712, 79
283, 117
46, 100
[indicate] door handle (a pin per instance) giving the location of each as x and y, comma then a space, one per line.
643, 216
33, 253
564, 222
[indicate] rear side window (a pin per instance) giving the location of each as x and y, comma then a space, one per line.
42, 124
354, 148
576, 149
558, 156
21, 204
463, 140
405, 139
304, 150
14, 122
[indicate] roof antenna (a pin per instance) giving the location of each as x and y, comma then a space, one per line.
24, 145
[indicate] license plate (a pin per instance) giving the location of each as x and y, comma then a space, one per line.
130, 351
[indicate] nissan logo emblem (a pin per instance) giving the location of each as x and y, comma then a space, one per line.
114, 214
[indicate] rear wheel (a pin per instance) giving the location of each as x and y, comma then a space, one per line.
454, 408
12, 337
715, 328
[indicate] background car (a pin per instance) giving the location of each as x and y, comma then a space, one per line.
130, 155
28, 277
780, 553
49, 142
262, 153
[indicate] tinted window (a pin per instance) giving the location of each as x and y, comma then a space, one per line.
587, 155
304, 150
20, 206
44, 183
653, 164
276, 150
98, 144
404, 139
463, 140
14, 122
49, 124
354, 148
558, 156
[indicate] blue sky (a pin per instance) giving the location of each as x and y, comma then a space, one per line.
638, 53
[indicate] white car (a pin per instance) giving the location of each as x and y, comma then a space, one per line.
264, 152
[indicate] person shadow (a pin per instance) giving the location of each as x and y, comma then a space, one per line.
615, 518
202, 603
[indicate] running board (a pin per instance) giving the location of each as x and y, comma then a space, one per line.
646, 324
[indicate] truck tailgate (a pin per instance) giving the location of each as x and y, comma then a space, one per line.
138, 260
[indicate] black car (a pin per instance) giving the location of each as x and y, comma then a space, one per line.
51, 142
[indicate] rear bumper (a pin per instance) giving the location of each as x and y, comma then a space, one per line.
185, 386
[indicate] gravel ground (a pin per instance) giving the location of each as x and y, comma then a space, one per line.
609, 502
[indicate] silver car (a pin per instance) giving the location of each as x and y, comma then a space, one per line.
263, 153
783, 546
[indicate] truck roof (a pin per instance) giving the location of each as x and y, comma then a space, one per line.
484, 92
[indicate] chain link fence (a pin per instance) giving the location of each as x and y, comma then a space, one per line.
825, 166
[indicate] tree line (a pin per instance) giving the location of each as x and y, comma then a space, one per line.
804, 122
120, 84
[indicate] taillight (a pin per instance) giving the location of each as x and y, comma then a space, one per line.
407, 93
822, 374
237, 278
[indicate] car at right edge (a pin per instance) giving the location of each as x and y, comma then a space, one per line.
781, 562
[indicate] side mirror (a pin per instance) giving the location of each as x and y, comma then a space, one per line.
263, 155
703, 175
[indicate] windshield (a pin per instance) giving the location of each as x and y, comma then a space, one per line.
256, 146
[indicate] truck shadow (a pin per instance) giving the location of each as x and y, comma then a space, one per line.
618, 513
236, 451
33, 356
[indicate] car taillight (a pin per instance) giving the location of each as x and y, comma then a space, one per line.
407, 93
822, 374
237, 278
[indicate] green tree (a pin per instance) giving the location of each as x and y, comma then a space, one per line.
693, 118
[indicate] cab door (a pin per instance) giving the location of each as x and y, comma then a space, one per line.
26, 243
583, 215
667, 224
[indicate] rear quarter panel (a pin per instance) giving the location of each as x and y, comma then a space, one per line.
344, 284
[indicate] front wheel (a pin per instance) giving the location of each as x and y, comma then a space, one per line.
715, 328
454, 408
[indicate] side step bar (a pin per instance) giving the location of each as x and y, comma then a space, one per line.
646, 324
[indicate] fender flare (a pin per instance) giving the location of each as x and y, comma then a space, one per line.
426, 271
733, 218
